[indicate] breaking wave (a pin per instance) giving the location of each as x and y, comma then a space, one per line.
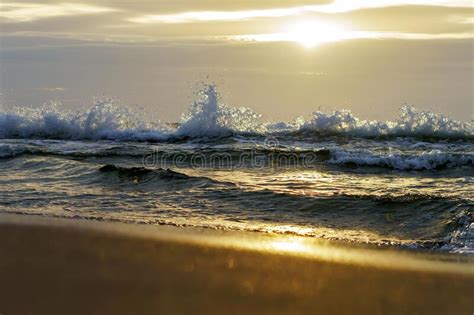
104, 120
207, 117
411, 123
432, 160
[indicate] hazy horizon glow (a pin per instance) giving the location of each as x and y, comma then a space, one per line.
307, 33
311, 34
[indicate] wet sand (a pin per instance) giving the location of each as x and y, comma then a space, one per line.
64, 266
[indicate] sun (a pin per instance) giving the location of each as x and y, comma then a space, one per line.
312, 33
307, 33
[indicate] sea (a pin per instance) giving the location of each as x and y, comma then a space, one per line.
405, 183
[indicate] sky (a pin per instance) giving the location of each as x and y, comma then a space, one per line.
282, 58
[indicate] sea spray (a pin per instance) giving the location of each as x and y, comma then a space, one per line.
208, 117
411, 123
104, 120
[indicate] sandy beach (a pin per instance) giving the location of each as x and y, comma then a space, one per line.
54, 266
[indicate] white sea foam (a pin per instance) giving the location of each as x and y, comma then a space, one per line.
103, 121
208, 117
422, 161
461, 240
411, 122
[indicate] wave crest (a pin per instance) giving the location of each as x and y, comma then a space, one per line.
411, 123
158, 178
209, 118
425, 161
104, 120
7, 151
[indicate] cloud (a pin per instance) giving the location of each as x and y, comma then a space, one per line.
463, 19
340, 6
207, 16
51, 89
244, 19
27, 12
316, 39
337, 6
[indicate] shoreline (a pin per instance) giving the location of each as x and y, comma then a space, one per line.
401, 246
52, 265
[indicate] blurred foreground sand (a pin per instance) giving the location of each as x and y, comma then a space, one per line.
60, 266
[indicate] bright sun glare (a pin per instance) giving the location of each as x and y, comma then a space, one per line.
309, 33
288, 246
313, 33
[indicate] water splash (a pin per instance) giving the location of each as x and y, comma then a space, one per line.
208, 117
411, 123
105, 120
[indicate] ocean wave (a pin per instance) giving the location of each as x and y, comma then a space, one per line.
461, 239
137, 172
166, 178
433, 160
7, 151
411, 123
103, 121
209, 118
10, 151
